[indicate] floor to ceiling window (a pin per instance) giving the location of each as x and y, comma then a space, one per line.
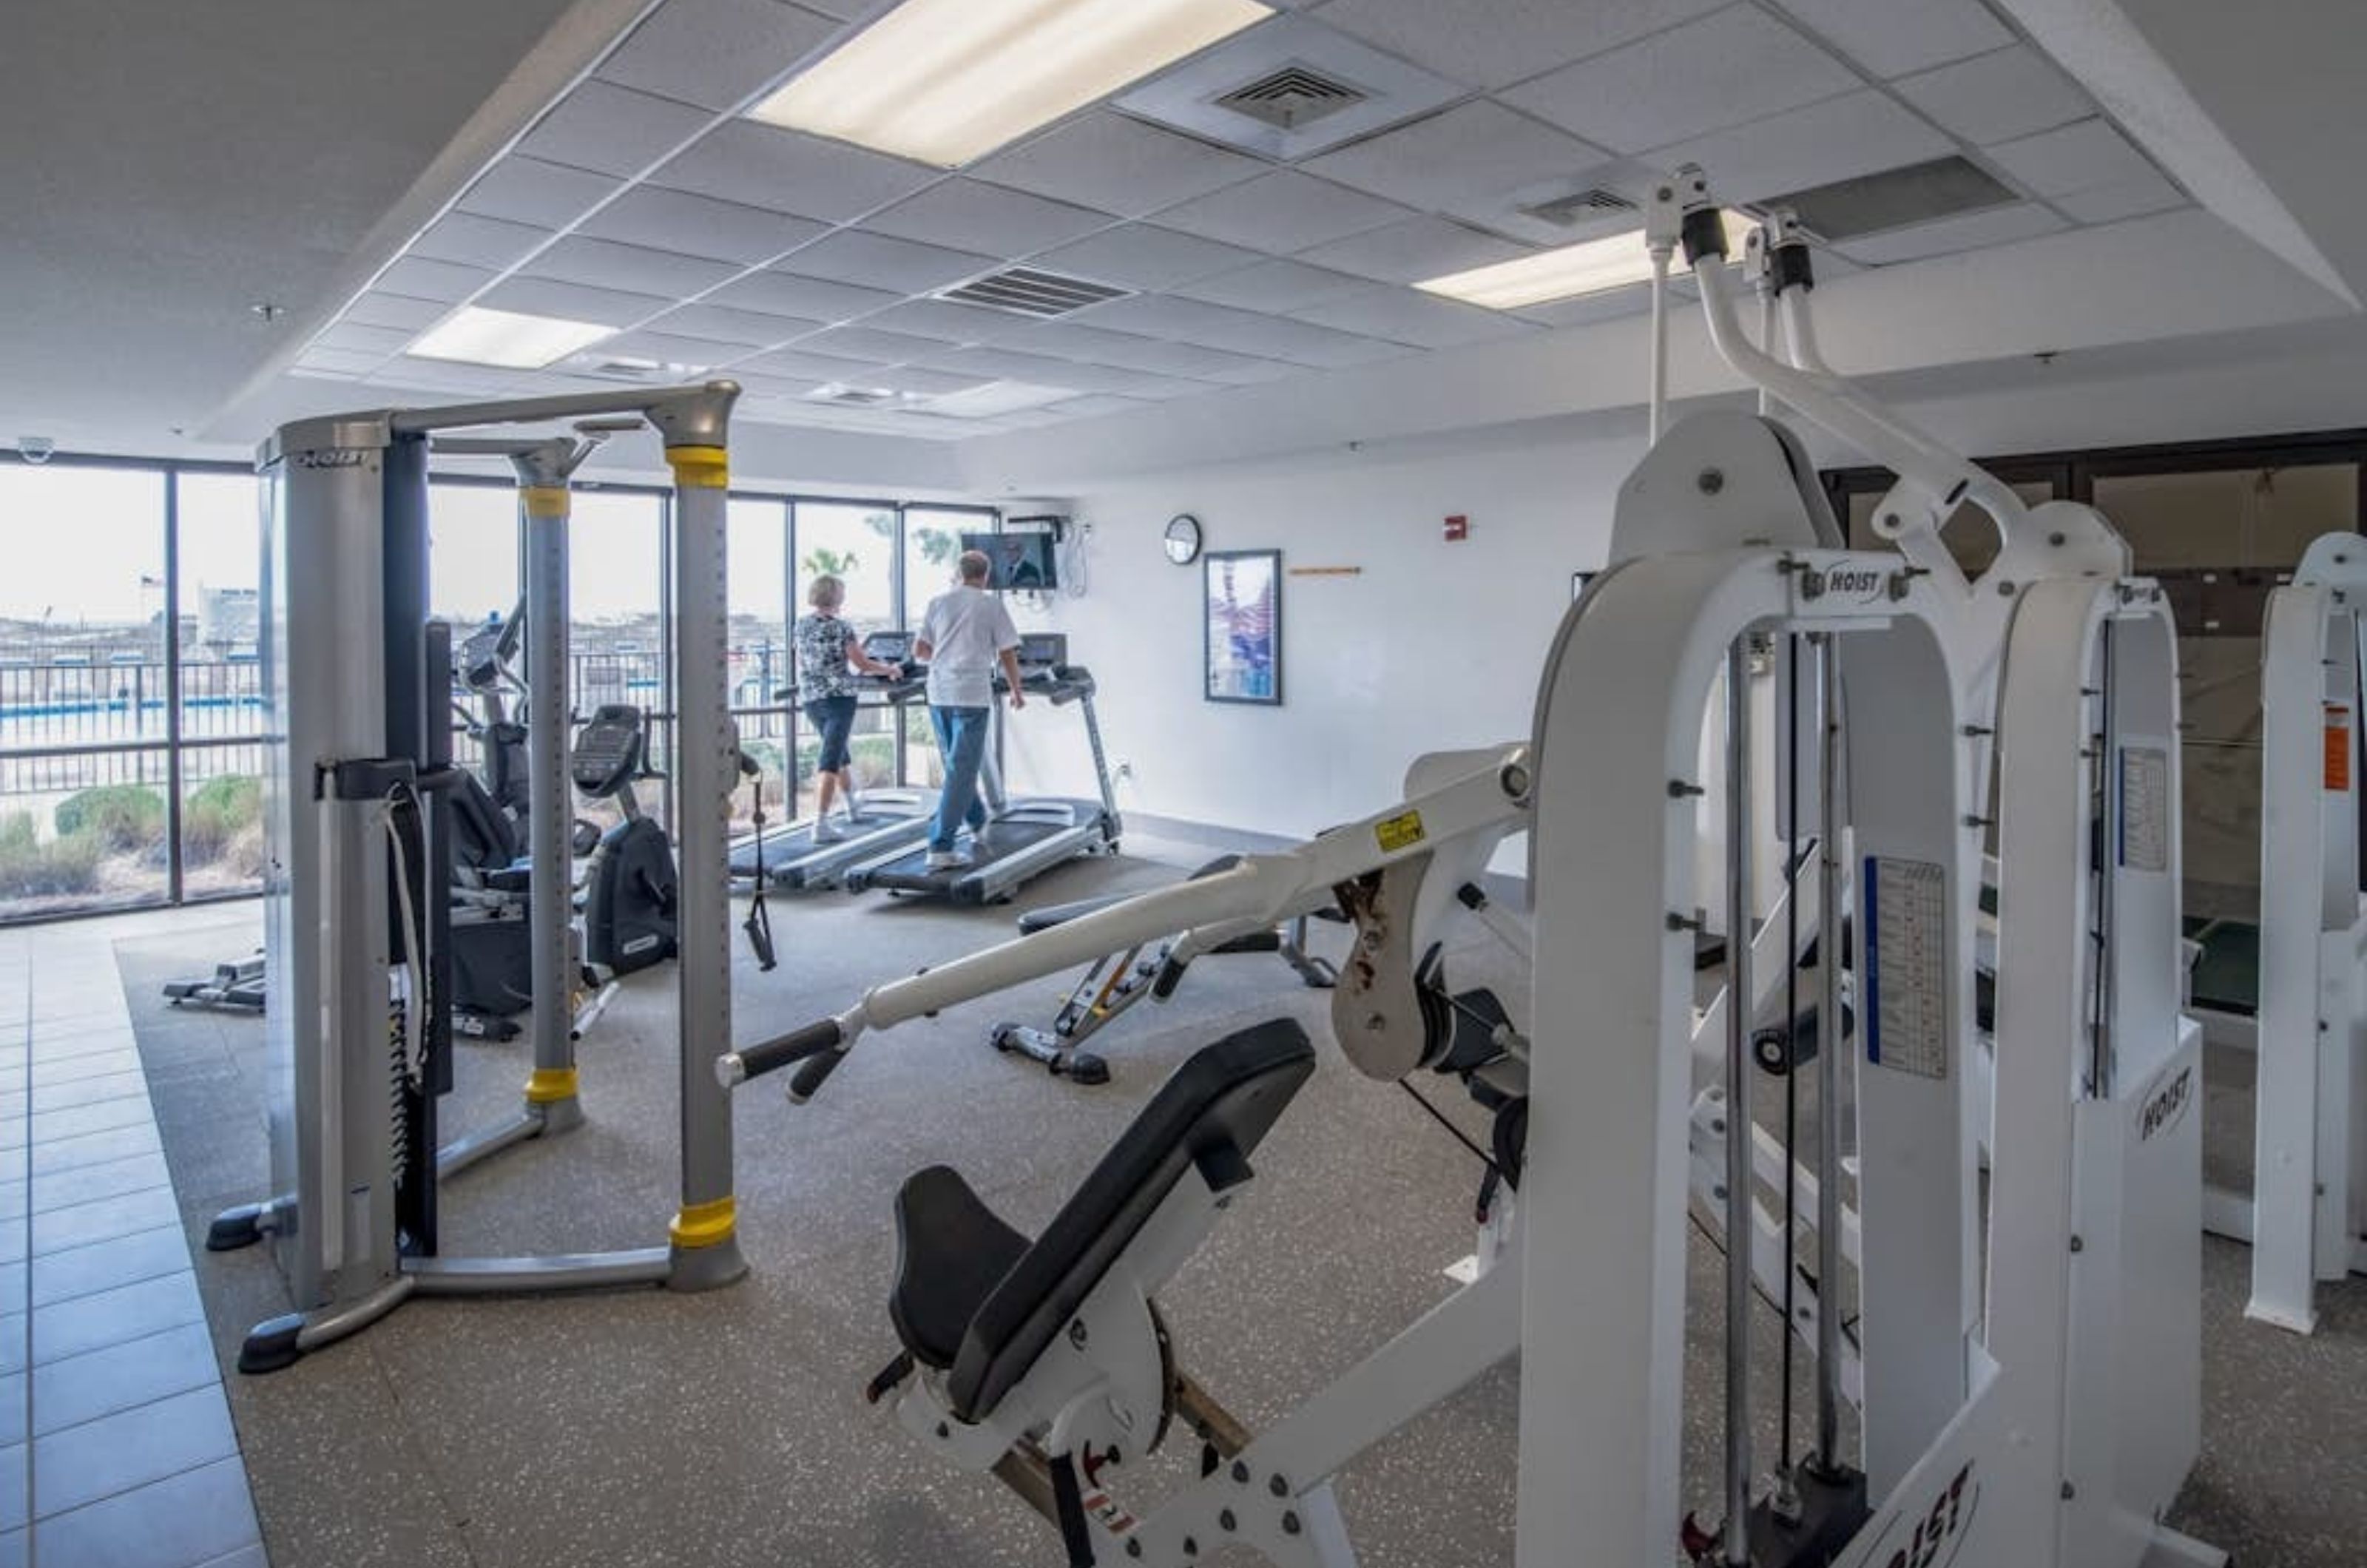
220, 708
85, 759
131, 710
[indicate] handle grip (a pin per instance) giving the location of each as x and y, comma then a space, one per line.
813, 1075
755, 1061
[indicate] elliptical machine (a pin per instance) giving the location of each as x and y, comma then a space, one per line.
629, 893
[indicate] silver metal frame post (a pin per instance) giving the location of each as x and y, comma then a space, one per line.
704, 1235
1739, 1178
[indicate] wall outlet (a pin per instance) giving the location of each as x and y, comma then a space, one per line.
1124, 773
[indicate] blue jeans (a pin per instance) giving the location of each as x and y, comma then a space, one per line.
961, 739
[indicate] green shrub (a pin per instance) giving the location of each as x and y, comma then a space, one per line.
119, 817
220, 813
30, 868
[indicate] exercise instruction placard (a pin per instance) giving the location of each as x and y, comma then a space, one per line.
2145, 826
1906, 1002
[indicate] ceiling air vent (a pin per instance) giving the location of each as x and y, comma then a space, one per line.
1292, 98
1582, 206
1025, 291
1895, 199
643, 372
856, 396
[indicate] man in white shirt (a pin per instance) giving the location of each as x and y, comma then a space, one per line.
965, 633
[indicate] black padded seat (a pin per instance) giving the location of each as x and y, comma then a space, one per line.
951, 1251
1052, 914
974, 1296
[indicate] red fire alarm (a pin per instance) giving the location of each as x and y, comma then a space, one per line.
1459, 529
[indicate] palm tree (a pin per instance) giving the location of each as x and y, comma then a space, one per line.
821, 561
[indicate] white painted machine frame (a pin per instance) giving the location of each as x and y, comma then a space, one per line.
2307, 1210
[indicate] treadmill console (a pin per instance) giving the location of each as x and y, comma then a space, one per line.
891, 648
607, 750
1042, 650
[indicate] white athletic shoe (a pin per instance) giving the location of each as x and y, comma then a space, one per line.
828, 832
948, 860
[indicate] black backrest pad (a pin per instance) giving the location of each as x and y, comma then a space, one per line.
1052, 914
1229, 1092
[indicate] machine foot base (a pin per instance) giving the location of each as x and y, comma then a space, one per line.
1078, 1066
234, 1228
272, 1344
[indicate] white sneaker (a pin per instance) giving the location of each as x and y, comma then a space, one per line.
828, 832
946, 860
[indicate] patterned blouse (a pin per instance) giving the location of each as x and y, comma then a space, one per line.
822, 657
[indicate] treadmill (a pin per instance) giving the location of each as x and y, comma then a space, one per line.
1022, 839
887, 819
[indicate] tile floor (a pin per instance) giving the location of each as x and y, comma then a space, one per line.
119, 1448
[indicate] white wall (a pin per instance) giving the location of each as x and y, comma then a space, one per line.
1436, 645
1432, 645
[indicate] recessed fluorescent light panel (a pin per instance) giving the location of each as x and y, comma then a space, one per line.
1594, 266
475, 335
946, 82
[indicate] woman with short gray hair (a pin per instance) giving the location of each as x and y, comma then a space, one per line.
828, 654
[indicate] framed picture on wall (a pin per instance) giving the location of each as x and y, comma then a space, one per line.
1241, 608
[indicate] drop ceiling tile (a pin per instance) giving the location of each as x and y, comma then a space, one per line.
573, 301
1278, 286
1009, 365
1281, 212
527, 190
786, 170
605, 264
1404, 316
354, 337
809, 298
966, 215
699, 226
744, 329
1127, 352
1068, 340
1106, 160
476, 241
1725, 69
1143, 255
377, 309
798, 364
2125, 198
1167, 316
1415, 249
340, 361
1891, 38
1095, 404
1997, 96
666, 348
869, 342
2074, 158
1240, 331
1517, 39
1997, 225
928, 383
947, 323
1469, 153
612, 130
881, 261
1304, 342
716, 53
762, 387
1836, 140
450, 376
422, 279
1083, 377
1165, 387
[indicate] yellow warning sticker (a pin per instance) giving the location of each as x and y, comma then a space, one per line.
1396, 832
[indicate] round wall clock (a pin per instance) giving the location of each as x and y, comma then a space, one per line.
1182, 538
